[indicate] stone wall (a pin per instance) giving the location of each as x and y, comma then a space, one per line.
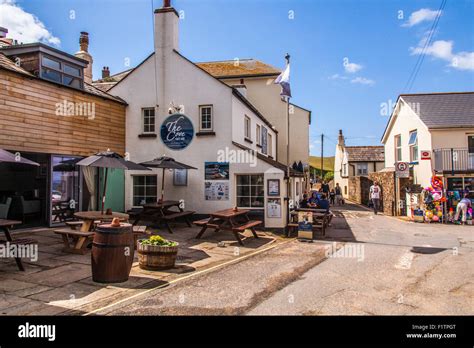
359, 187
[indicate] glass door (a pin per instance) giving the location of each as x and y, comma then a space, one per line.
66, 187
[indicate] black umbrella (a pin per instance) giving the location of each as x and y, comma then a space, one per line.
67, 165
9, 157
165, 163
108, 160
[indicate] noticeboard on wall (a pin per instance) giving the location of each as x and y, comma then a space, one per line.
274, 207
273, 187
180, 177
216, 190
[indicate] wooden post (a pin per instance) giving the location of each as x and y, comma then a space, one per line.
105, 189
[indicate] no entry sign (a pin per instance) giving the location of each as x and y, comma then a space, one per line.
402, 169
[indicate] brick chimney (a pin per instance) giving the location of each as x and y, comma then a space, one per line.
105, 72
166, 27
84, 54
3, 38
340, 139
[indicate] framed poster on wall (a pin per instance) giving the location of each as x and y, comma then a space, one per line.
273, 187
274, 207
216, 170
180, 177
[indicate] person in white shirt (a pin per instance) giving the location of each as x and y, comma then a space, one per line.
375, 196
462, 206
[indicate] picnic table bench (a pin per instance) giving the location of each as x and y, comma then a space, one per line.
160, 212
321, 219
79, 245
228, 220
5, 226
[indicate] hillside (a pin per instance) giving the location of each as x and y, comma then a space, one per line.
328, 162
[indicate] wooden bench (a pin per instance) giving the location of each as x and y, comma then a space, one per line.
175, 215
74, 224
80, 239
205, 222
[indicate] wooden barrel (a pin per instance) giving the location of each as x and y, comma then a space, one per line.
112, 253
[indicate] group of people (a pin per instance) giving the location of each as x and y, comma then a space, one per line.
323, 198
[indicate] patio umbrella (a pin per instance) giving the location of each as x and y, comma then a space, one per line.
165, 162
8, 157
109, 159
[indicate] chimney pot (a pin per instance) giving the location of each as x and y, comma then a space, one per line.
166, 3
105, 72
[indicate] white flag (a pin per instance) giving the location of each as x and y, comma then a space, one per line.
284, 81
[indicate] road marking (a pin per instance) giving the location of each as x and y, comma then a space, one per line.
405, 261
185, 277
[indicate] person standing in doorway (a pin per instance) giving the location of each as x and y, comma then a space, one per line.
375, 196
338, 192
462, 206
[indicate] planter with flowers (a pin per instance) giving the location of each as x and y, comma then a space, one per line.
156, 253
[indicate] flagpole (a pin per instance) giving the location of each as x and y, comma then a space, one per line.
287, 57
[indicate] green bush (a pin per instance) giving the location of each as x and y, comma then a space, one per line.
157, 241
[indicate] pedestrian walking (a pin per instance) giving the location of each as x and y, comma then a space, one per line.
375, 196
462, 206
338, 192
325, 187
332, 196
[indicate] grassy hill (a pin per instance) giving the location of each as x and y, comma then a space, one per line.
328, 162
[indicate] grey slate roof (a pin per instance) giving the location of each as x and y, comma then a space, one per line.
443, 110
365, 153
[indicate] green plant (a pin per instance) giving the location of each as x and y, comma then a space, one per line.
157, 241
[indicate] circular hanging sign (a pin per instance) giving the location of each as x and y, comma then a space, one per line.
177, 131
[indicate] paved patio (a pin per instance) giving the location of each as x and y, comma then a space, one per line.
61, 283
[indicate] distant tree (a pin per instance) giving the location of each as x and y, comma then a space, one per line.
328, 176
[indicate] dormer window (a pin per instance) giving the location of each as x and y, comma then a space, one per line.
61, 72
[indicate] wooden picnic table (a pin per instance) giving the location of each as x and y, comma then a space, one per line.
321, 218
5, 226
160, 212
227, 220
89, 217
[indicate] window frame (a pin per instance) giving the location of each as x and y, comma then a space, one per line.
398, 148
258, 134
247, 128
62, 73
211, 121
145, 196
413, 146
143, 120
250, 185
365, 165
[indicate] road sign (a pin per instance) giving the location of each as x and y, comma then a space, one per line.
425, 155
402, 169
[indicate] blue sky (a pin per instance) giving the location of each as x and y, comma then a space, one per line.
378, 38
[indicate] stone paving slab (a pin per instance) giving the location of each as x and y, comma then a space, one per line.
61, 283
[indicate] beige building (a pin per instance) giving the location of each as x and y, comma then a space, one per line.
440, 124
351, 161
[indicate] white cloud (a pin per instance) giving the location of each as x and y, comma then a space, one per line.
363, 81
442, 49
351, 67
24, 26
422, 15
337, 77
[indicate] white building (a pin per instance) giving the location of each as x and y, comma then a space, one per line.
215, 120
